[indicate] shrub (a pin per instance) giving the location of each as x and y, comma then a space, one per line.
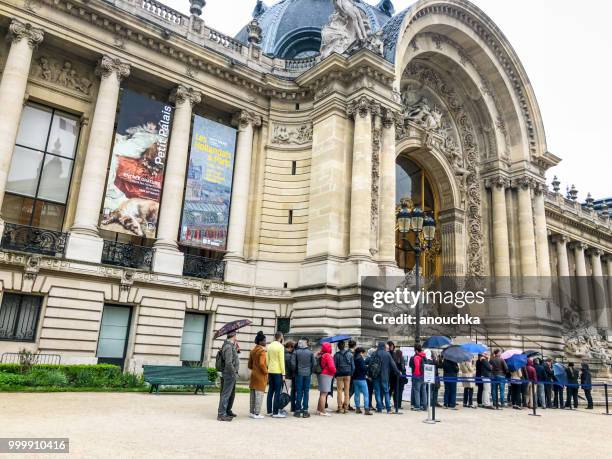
11, 379
45, 377
213, 373
26, 360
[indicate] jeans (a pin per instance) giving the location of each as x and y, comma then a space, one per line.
302, 388
370, 392
419, 392
226, 397
361, 387
572, 393
541, 396
382, 387
498, 383
468, 396
479, 394
275, 384
548, 395
486, 392
516, 394
589, 397
558, 399
450, 394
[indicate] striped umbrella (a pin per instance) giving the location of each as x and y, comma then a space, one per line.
232, 327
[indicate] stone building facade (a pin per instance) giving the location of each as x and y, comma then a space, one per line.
433, 98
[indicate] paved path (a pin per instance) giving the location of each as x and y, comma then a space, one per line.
184, 425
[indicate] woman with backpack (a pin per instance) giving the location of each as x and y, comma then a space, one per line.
326, 371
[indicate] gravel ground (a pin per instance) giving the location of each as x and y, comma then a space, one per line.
184, 425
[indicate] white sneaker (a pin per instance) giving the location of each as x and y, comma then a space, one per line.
279, 415
284, 412
252, 416
257, 416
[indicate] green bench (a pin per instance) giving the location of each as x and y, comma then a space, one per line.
165, 375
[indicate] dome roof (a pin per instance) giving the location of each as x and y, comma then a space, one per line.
292, 28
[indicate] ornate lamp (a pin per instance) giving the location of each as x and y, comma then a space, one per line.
416, 222
429, 228
404, 219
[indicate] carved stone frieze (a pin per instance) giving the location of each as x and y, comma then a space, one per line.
292, 134
62, 72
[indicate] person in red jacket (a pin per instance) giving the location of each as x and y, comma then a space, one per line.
419, 388
532, 376
328, 370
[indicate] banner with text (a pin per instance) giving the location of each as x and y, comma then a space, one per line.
136, 173
209, 185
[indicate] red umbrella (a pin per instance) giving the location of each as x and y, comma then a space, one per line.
232, 327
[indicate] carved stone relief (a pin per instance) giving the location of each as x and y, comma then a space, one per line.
292, 135
62, 72
421, 111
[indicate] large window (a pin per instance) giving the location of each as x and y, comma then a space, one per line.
19, 316
194, 332
114, 331
41, 169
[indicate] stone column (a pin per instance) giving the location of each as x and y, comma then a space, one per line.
167, 258
581, 279
247, 121
23, 38
541, 233
386, 220
563, 272
608, 259
529, 269
599, 296
501, 247
361, 180
84, 243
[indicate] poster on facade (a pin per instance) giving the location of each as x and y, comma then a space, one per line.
136, 172
209, 185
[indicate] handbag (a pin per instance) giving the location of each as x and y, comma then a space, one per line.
285, 398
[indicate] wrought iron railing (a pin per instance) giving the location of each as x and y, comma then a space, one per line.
127, 255
36, 359
204, 268
35, 240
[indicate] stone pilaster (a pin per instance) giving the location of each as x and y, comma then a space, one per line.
501, 247
541, 233
599, 307
386, 221
168, 259
581, 279
246, 121
563, 272
529, 267
608, 260
23, 38
361, 179
84, 242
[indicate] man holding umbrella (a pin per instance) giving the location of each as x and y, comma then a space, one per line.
229, 363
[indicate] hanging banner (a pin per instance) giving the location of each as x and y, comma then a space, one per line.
209, 185
136, 173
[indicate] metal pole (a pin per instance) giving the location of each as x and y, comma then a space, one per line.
431, 414
607, 413
417, 330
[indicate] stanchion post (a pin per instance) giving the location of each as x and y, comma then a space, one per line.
534, 402
607, 413
432, 403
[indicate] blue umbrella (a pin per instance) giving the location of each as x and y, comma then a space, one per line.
335, 338
436, 342
516, 362
456, 354
474, 348
559, 371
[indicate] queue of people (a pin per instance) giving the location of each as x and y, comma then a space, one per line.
375, 379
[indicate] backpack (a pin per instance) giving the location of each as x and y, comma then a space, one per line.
344, 364
318, 369
374, 368
219, 361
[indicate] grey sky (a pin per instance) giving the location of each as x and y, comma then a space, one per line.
565, 49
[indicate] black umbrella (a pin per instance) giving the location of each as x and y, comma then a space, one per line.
531, 353
232, 327
457, 354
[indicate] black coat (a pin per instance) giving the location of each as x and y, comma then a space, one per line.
572, 375
449, 367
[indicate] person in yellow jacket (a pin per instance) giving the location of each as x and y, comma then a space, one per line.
276, 375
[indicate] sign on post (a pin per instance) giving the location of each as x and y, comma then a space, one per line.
429, 375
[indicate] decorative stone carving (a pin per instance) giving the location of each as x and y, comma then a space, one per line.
498, 181
556, 184
346, 25
127, 280
254, 32
182, 94
244, 117
32, 266
429, 118
109, 66
362, 106
20, 31
62, 73
297, 135
585, 342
